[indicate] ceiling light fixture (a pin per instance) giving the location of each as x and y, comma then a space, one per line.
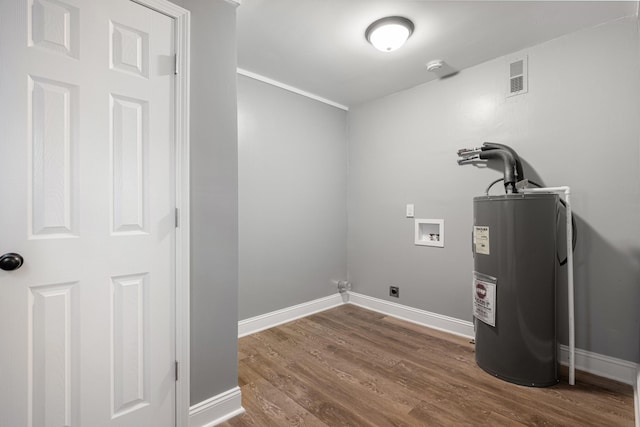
390, 33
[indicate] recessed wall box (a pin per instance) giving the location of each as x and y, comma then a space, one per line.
429, 232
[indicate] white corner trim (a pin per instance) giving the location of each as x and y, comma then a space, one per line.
275, 318
414, 315
216, 409
183, 232
182, 40
601, 365
636, 396
234, 2
293, 89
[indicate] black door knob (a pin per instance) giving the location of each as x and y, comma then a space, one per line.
11, 261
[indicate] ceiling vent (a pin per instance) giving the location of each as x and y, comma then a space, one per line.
517, 76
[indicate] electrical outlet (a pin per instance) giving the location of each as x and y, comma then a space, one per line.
394, 291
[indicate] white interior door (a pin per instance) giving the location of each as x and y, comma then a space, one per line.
87, 197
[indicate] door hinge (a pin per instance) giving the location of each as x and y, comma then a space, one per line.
175, 64
177, 219
176, 367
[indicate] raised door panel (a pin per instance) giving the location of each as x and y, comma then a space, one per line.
53, 355
129, 50
129, 352
53, 25
52, 168
129, 152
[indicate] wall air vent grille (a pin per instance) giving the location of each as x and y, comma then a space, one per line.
517, 76
516, 84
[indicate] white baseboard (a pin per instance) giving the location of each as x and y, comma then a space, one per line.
414, 315
275, 318
600, 365
216, 409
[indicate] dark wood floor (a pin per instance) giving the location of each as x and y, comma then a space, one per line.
353, 367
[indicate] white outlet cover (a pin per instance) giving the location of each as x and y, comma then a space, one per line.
410, 210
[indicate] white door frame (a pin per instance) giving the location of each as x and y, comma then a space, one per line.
182, 19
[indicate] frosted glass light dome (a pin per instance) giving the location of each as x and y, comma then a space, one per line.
390, 33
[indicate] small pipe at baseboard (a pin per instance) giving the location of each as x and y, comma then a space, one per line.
343, 285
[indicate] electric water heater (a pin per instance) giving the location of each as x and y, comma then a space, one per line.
514, 286
514, 277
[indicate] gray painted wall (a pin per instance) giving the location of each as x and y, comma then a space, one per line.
577, 126
214, 199
292, 196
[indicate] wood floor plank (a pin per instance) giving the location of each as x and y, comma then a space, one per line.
353, 367
268, 406
315, 369
318, 401
463, 380
378, 363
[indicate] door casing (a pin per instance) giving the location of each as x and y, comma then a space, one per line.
182, 19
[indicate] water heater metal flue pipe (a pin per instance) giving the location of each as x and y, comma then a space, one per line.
494, 145
510, 160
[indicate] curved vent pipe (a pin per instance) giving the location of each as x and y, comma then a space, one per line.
511, 161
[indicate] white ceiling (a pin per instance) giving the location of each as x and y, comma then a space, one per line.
318, 45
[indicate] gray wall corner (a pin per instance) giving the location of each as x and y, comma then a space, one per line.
292, 169
214, 199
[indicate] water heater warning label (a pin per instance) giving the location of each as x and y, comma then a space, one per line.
484, 301
481, 239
